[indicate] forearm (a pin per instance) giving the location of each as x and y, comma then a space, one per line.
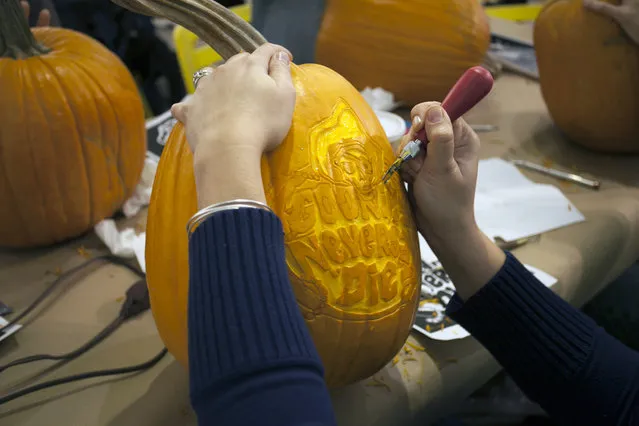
556, 354
251, 358
225, 175
469, 257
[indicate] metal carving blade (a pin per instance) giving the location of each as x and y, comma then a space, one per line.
391, 170
471, 88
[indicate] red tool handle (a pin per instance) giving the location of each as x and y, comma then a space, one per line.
471, 88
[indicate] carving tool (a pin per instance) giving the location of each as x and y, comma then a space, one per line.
471, 88
483, 128
570, 177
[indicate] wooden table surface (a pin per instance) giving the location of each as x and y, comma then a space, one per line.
421, 386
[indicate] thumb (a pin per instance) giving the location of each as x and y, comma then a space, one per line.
179, 111
607, 9
280, 69
441, 145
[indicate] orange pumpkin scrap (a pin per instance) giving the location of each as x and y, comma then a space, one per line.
351, 244
589, 76
72, 134
416, 49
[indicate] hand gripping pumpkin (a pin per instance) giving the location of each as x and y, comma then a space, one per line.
72, 134
589, 76
351, 244
416, 49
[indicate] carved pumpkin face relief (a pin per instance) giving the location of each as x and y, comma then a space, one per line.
351, 244
341, 141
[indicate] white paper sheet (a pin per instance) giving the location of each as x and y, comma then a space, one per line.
127, 243
380, 99
122, 243
142, 194
510, 206
507, 205
139, 247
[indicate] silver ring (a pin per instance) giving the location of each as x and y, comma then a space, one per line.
201, 73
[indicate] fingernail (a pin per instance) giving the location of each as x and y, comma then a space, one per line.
416, 120
283, 56
435, 115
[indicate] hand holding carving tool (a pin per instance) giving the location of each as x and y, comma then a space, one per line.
471, 88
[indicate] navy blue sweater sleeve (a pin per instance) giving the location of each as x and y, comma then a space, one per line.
251, 358
557, 355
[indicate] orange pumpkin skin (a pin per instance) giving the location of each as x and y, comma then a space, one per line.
72, 139
589, 76
416, 49
351, 244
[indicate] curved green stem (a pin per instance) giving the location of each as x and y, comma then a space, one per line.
16, 39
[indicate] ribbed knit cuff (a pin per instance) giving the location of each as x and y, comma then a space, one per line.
242, 311
523, 323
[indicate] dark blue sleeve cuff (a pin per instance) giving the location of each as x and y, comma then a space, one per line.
246, 333
556, 354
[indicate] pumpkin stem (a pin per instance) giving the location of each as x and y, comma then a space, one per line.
16, 39
214, 24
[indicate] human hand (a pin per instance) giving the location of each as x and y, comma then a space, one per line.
44, 18
442, 181
625, 14
246, 104
242, 110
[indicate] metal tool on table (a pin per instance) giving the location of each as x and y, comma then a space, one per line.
471, 88
569, 177
484, 128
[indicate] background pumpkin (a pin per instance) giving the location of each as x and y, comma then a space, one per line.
72, 133
416, 49
352, 246
589, 76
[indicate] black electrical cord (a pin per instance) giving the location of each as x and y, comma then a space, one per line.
106, 332
137, 301
84, 376
61, 278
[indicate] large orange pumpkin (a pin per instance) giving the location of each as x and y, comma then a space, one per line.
72, 134
416, 49
351, 244
589, 76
